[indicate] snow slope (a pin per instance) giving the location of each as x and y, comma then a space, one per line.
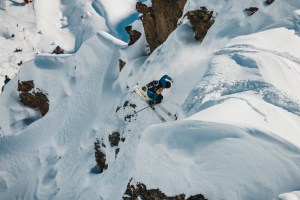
236, 94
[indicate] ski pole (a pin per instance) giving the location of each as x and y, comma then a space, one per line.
139, 110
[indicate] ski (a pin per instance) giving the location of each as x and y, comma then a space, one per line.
172, 116
144, 97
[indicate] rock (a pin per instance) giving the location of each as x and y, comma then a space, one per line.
25, 86
197, 197
141, 192
142, 8
269, 2
133, 34
118, 108
33, 99
127, 103
114, 139
251, 10
28, 99
116, 152
100, 156
42, 103
201, 20
121, 64
160, 20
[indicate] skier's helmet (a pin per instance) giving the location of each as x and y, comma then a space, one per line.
168, 84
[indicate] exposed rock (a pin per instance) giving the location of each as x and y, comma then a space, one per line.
100, 156
25, 86
269, 2
28, 99
18, 50
42, 103
121, 64
128, 117
201, 21
31, 98
141, 192
251, 10
142, 8
133, 34
116, 152
114, 139
197, 197
118, 108
20, 63
160, 20
127, 103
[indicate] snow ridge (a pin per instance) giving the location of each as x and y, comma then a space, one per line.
208, 91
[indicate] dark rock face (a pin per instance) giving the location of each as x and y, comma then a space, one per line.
31, 98
141, 192
269, 2
251, 10
117, 152
100, 156
114, 139
127, 103
160, 20
133, 34
42, 102
201, 21
121, 64
25, 86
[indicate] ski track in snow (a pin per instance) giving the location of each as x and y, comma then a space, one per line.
208, 90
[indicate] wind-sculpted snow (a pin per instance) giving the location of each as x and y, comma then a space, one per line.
118, 14
222, 161
46, 153
236, 94
210, 91
248, 65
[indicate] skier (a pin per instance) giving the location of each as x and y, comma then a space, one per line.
155, 88
7, 79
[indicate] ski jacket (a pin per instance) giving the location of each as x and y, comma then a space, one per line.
155, 87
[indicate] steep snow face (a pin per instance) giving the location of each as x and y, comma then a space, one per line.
222, 161
231, 21
236, 95
40, 26
118, 14
79, 80
67, 23
250, 82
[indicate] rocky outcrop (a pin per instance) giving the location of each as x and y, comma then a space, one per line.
141, 192
201, 20
100, 156
31, 98
251, 10
121, 64
160, 20
114, 139
269, 2
133, 34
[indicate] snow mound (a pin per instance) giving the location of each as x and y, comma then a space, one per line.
196, 156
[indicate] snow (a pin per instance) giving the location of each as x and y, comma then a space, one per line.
118, 14
188, 155
236, 94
